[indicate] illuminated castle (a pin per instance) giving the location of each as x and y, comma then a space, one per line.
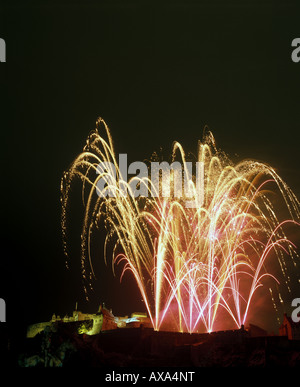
89, 323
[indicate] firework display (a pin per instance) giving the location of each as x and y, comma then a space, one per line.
191, 264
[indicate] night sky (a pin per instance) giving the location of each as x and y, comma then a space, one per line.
155, 73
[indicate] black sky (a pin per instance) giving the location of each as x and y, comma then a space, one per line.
155, 73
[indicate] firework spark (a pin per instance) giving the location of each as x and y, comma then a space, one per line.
190, 264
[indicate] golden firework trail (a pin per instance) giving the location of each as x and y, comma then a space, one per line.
190, 264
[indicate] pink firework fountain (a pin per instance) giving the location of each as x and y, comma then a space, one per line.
191, 264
